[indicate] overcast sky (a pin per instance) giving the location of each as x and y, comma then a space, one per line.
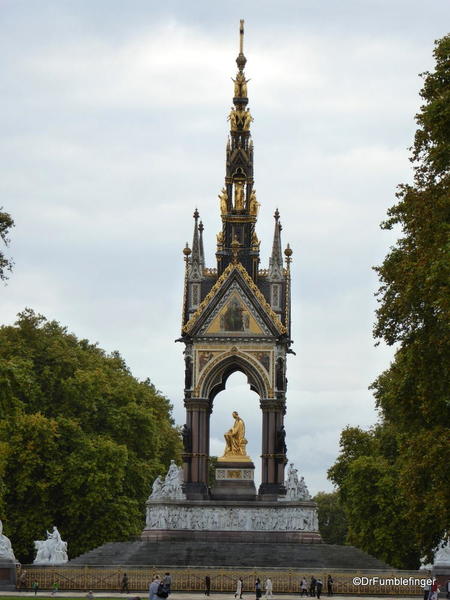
114, 127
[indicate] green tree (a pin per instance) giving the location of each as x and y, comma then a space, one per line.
80, 438
332, 518
6, 223
412, 395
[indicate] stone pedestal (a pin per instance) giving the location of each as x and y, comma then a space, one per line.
234, 481
242, 520
7, 575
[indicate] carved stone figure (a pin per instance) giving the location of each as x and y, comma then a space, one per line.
52, 551
281, 440
6, 551
187, 372
223, 197
239, 195
254, 204
157, 488
303, 490
171, 488
296, 489
187, 438
235, 442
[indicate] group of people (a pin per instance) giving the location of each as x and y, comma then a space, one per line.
268, 587
315, 586
160, 588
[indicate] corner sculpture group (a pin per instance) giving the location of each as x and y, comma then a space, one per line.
52, 551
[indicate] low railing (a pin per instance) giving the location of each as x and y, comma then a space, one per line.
352, 582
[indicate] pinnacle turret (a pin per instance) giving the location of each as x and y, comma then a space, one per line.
275, 272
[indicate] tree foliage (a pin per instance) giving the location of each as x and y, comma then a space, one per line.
80, 438
413, 314
6, 223
332, 519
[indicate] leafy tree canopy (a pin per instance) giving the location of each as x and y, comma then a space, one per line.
6, 223
332, 519
80, 438
413, 393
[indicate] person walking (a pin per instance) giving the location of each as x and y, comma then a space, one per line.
239, 588
124, 585
258, 590
319, 586
207, 585
167, 582
35, 587
153, 589
268, 586
303, 587
312, 586
330, 585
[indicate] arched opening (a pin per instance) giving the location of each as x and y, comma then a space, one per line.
238, 396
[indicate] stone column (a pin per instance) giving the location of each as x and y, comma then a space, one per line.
273, 460
195, 466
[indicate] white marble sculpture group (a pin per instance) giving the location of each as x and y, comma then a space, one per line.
296, 488
225, 518
52, 551
171, 487
6, 551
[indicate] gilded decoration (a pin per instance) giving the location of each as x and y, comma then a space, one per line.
263, 358
214, 292
235, 443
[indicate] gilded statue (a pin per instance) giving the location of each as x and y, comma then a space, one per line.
246, 120
239, 195
233, 118
255, 240
235, 441
240, 86
219, 238
223, 197
254, 204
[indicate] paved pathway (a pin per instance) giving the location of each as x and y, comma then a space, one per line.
187, 596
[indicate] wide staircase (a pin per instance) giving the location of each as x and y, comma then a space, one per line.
229, 554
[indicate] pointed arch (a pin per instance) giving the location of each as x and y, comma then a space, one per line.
215, 376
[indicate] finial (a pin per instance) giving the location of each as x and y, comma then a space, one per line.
186, 252
241, 60
235, 249
196, 214
200, 227
288, 254
276, 215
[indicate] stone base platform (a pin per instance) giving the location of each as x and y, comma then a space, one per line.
169, 554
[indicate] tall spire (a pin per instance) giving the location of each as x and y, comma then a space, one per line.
200, 245
238, 203
275, 272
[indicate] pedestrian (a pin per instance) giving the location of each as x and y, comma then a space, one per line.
434, 591
303, 587
427, 591
330, 585
207, 585
239, 588
22, 582
153, 589
268, 587
90, 595
312, 586
167, 582
448, 588
124, 587
35, 587
258, 590
319, 586
55, 587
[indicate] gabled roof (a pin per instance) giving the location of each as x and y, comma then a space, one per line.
269, 321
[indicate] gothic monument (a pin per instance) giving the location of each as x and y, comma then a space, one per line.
236, 317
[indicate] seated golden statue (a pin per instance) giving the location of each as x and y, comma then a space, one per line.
235, 442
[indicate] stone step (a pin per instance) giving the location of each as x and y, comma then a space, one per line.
227, 554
